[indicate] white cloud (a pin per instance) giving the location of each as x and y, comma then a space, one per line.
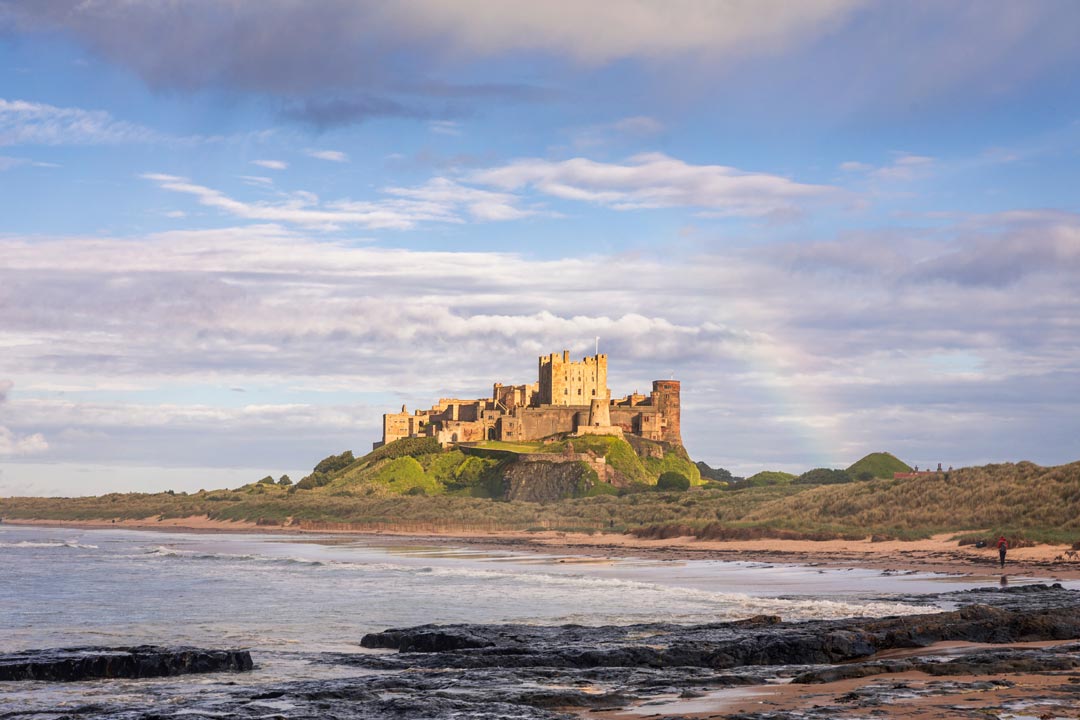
642, 182
605, 30
626, 130
481, 204
639, 125
855, 166
655, 180
445, 127
16, 445
301, 208
10, 444
329, 155
904, 167
439, 200
29, 123
271, 164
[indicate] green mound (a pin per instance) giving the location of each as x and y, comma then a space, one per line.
768, 477
672, 482
878, 465
823, 476
409, 466
720, 475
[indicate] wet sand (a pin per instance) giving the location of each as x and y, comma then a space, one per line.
909, 695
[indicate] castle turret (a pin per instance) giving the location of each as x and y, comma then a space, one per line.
665, 396
599, 413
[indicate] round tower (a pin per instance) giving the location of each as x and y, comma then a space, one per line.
599, 413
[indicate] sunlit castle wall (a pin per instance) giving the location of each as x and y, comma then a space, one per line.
563, 382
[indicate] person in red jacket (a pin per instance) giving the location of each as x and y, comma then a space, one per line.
1003, 547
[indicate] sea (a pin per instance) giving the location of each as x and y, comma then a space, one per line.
290, 598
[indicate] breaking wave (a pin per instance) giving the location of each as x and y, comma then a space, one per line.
163, 551
699, 605
49, 544
727, 605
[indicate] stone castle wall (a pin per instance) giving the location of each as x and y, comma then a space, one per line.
542, 422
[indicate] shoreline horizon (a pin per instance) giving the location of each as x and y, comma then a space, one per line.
938, 554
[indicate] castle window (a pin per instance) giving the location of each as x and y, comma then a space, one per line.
579, 391
566, 391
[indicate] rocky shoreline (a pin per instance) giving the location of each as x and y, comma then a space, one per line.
439, 672
144, 661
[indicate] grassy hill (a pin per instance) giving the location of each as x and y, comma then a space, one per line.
379, 491
768, 477
1021, 499
419, 466
879, 465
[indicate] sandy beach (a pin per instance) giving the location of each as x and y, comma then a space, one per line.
940, 553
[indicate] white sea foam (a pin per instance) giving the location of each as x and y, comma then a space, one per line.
722, 605
163, 551
49, 544
707, 604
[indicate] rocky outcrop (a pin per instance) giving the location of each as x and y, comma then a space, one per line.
545, 481
144, 661
758, 641
988, 662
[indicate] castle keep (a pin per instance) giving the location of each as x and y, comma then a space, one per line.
569, 398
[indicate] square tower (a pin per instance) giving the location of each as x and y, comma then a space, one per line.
563, 382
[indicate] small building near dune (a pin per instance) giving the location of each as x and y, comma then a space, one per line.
568, 398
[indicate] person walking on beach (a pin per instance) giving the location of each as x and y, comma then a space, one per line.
1003, 547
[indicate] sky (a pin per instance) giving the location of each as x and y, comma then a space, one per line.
234, 233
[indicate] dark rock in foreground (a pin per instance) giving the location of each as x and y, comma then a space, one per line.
986, 662
144, 661
762, 640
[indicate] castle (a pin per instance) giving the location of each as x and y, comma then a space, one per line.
569, 398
